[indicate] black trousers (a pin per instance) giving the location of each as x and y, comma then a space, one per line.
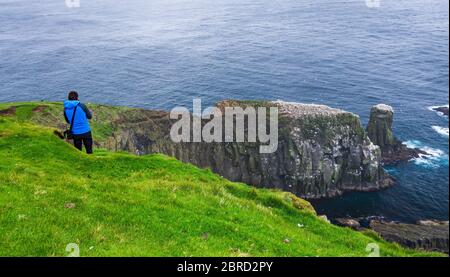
83, 139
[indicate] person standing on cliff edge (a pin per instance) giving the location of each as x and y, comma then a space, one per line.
80, 115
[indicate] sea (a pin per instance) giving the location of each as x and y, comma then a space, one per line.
158, 54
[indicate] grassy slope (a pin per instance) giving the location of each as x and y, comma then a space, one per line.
147, 206
52, 116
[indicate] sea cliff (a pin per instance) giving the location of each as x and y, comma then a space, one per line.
322, 151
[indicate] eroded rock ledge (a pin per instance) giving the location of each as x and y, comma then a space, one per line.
428, 235
322, 152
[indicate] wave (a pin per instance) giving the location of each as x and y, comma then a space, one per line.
441, 130
434, 157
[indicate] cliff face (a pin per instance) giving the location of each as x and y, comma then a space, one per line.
322, 152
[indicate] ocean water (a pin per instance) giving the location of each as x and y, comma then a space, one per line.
163, 53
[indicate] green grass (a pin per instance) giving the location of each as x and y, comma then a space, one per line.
153, 205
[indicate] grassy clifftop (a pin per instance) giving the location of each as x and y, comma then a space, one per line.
116, 204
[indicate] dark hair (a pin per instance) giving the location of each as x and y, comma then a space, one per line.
73, 95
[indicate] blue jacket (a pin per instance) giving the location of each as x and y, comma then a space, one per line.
80, 123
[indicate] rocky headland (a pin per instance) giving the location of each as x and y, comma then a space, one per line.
322, 152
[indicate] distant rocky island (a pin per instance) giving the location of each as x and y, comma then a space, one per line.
441, 109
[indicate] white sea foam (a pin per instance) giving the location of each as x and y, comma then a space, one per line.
441, 130
413, 144
434, 157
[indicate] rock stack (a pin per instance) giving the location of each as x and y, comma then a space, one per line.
380, 133
380, 127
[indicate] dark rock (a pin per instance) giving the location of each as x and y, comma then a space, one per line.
348, 222
426, 237
401, 153
380, 133
443, 110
